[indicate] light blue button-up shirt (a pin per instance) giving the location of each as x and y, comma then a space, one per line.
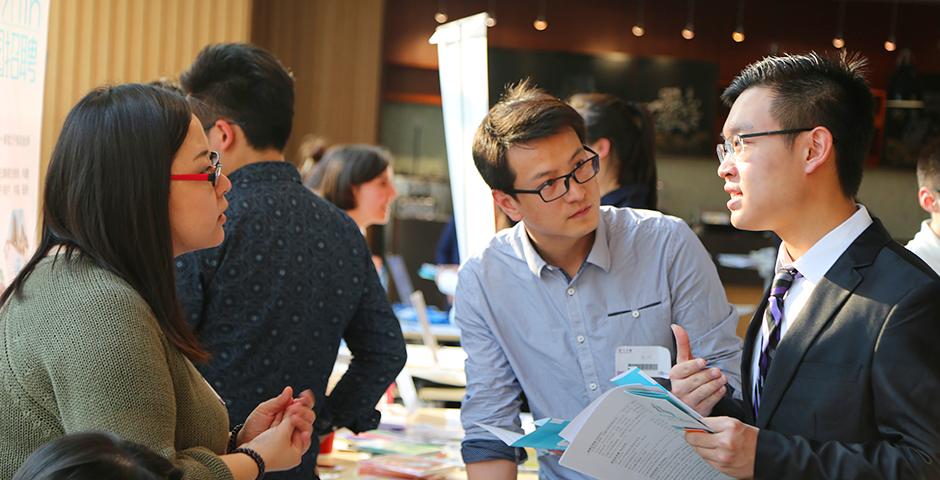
527, 327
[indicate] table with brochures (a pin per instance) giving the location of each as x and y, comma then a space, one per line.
420, 444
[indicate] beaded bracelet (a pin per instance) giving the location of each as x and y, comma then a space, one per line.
233, 438
254, 456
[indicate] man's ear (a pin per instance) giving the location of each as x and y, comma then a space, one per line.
223, 133
601, 147
508, 204
927, 198
818, 149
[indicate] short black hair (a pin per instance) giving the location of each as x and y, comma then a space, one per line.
95, 456
525, 113
817, 90
928, 166
248, 86
344, 167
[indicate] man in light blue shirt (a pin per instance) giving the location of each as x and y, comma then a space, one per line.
544, 307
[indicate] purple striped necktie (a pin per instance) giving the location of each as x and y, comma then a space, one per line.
773, 317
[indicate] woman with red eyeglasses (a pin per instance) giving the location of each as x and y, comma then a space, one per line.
91, 334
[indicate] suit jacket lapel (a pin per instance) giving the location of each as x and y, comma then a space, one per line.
827, 299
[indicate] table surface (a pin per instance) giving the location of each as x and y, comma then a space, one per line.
343, 462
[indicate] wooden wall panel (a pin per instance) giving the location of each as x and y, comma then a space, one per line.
334, 49
94, 42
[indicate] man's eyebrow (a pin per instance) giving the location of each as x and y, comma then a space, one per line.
540, 175
547, 172
576, 152
736, 130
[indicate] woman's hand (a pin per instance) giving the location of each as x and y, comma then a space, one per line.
281, 446
269, 414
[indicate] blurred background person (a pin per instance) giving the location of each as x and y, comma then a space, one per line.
926, 243
357, 179
293, 277
623, 135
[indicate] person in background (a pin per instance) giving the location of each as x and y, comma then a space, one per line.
544, 307
293, 277
357, 179
926, 243
96, 456
94, 338
623, 135
447, 251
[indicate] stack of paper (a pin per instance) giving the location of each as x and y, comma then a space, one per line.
636, 431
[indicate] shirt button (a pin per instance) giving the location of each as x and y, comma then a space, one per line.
636, 314
593, 386
571, 291
580, 338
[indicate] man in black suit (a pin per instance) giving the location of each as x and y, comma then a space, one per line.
841, 366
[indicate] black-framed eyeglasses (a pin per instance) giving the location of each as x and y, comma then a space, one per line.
733, 146
555, 188
215, 171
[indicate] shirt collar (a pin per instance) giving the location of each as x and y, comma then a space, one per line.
926, 235
823, 254
268, 171
600, 251
599, 255
532, 258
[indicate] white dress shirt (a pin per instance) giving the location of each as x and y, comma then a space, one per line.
813, 266
926, 245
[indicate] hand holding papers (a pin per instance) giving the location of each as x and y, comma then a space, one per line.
731, 448
636, 431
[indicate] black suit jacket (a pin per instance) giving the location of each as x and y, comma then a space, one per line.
854, 388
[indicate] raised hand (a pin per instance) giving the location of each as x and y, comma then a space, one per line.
695, 384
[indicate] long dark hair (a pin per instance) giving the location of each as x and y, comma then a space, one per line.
95, 456
344, 167
630, 130
107, 196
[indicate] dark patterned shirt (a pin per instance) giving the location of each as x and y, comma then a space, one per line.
292, 278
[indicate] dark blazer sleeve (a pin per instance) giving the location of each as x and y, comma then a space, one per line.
905, 382
733, 407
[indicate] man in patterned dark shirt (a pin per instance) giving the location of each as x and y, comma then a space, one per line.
294, 275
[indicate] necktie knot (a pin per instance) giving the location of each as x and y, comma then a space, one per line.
782, 281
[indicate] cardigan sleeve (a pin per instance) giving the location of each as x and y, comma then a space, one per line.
109, 371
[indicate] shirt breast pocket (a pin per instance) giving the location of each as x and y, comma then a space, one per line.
643, 322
